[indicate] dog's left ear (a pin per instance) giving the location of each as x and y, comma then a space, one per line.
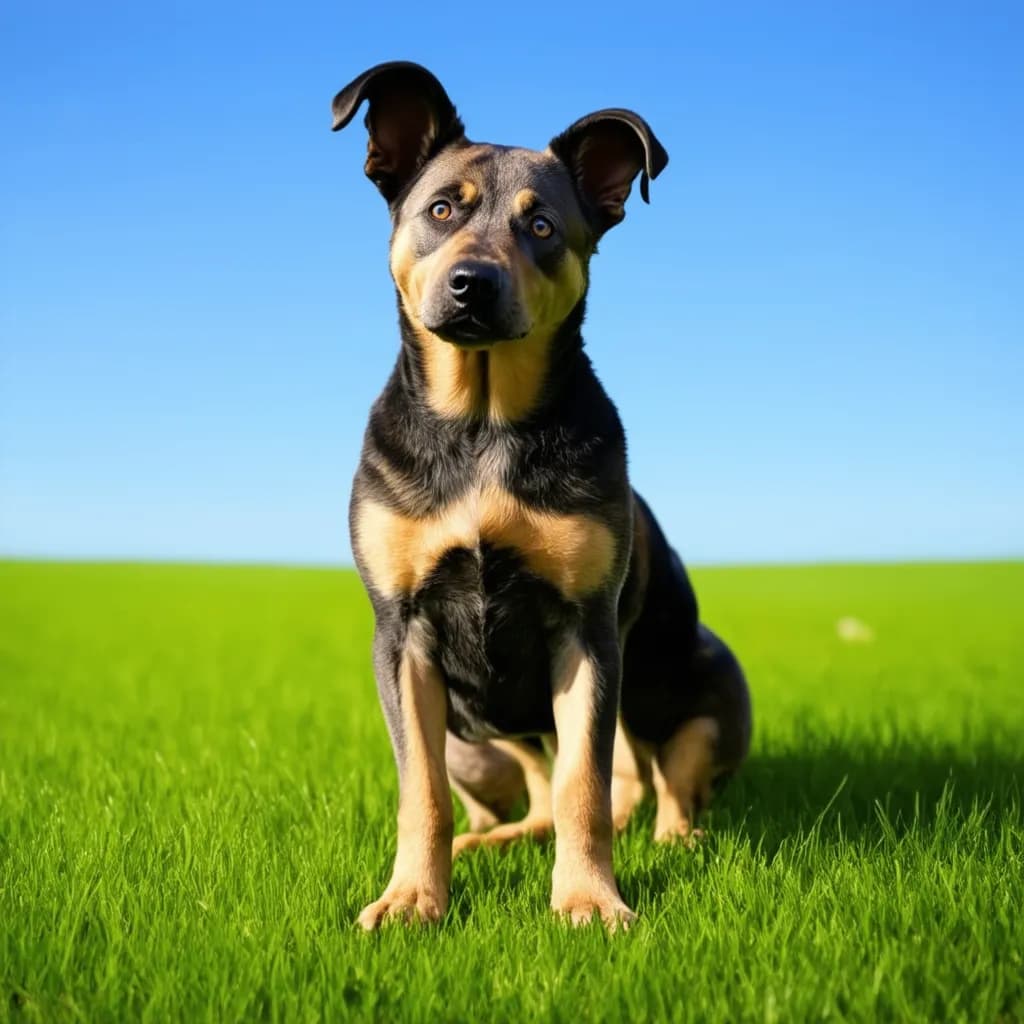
604, 152
410, 120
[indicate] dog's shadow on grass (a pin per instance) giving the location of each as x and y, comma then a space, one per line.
840, 795
848, 792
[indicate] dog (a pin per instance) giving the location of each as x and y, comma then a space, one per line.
527, 604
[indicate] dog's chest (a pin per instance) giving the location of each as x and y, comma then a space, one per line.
398, 552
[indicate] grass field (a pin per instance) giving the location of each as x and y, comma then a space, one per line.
197, 796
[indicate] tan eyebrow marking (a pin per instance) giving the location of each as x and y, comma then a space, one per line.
524, 200
468, 192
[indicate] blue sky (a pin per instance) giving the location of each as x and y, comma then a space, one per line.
814, 334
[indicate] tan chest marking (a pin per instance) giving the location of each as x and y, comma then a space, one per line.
575, 553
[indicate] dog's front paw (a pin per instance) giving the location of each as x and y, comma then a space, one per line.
411, 904
581, 906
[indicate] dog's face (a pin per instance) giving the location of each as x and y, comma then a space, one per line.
491, 243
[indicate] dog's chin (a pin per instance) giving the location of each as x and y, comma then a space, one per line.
469, 332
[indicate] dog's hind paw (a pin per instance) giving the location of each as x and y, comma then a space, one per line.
466, 841
682, 834
537, 827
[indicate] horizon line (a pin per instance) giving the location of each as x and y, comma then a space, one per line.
8, 558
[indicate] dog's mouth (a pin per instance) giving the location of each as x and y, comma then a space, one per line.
468, 329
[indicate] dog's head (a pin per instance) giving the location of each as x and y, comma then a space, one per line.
491, 243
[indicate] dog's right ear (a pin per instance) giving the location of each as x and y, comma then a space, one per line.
410, 120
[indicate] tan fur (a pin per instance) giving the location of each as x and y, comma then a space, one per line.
684, 768
523, 201
422, 872
631, 775
575, 553
455, 376
468, 192
398, 551
517, 372
549, 299
402, 259
538, 821
518, 369
582, 882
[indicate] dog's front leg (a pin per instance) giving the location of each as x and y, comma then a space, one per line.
413, 695
586, 696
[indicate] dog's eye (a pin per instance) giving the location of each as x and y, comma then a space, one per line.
541, 227
441, 210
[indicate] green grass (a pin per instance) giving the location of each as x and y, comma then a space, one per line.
197, 796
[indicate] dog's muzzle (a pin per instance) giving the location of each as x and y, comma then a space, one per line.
476, 307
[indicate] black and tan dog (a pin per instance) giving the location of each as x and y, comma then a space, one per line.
516, 578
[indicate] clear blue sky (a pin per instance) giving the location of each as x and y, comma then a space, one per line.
815, 334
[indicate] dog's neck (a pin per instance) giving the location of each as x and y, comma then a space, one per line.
505, 383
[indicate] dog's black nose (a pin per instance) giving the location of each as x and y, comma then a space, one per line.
475, 284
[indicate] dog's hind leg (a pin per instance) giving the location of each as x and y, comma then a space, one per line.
684, 768
486, 779
631, 775
707, 747
505, 762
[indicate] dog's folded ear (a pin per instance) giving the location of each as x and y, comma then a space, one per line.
605, 151
410, 120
